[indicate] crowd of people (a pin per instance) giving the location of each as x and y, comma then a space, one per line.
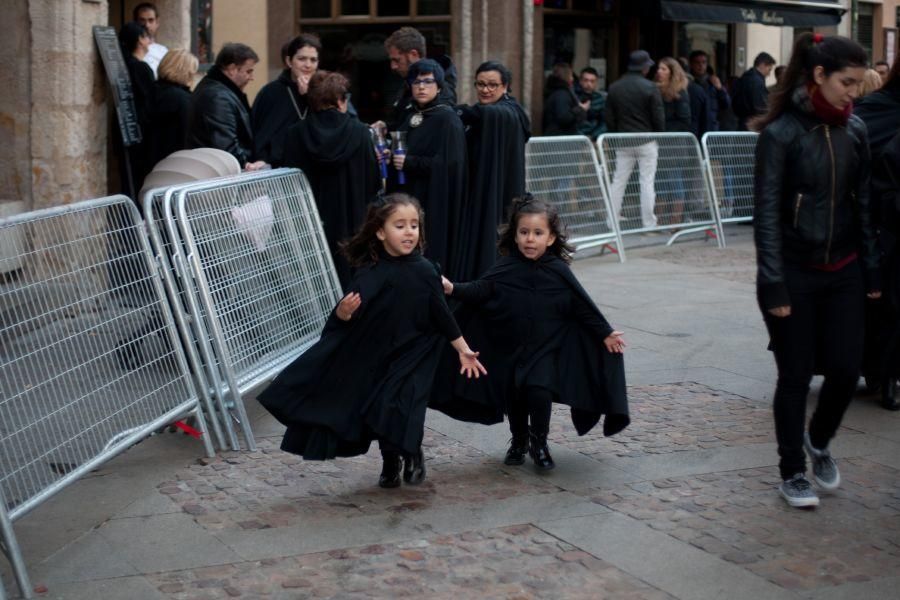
411, 207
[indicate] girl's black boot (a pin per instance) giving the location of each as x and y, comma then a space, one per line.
539, 452
390, 470
414, 467
518, 448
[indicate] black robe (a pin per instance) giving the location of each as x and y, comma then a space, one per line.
368, 378
534, 325
436, 174
335, 152
142, 86
277, 107
496, 135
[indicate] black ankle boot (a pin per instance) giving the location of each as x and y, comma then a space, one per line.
390, 470
888, 394
414, 468
518, 448
540, 453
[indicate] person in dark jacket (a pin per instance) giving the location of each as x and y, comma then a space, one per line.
751, 97
434, 165
563, 111
220, 112
634, 105
370, 374
497, 129
815, 249
880, 111
405, 47
548, 341
135, 40
673, 83
171, 109
715, 96
282, 103
594, 124
335, 152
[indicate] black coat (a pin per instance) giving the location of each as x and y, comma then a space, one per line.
404, 105
436, 171
562, 113
220, 117
880, 111
277, 107
678, 113
496, 135
751, 97
811, 198
335, 152
534, 324
142, 85
714, 102
634, 105
370, 377
169, 116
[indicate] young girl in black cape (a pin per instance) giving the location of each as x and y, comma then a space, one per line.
548, 340
369, 375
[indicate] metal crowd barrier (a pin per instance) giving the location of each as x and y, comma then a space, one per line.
90, 360
262, 279
656, 182
563, 170
730, 160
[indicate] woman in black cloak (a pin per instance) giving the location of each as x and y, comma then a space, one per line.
369, 375
497, 129
434, 163
544, 341
135, 42
335, 152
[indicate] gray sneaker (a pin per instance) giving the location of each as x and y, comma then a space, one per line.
798, 492
825, 470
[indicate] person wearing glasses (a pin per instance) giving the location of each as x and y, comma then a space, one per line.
497, 129
433, 165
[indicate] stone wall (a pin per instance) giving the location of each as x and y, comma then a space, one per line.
15, 106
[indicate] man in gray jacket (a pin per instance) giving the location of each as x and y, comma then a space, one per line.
634, 105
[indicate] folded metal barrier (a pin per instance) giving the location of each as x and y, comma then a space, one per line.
730, 159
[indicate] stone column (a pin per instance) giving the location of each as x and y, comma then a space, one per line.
15, 111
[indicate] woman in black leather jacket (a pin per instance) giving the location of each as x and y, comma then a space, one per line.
816, 249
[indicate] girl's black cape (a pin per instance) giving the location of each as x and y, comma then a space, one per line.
591, 379
367, 378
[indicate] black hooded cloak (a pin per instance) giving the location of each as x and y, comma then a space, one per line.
534, 324
369, 377
496, 135
404, 105
335, 152
277, 107
436, 174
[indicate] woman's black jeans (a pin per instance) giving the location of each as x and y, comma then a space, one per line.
823, 334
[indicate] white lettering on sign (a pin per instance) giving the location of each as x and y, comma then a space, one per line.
772, 18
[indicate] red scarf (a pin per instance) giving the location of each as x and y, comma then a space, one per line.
825, 110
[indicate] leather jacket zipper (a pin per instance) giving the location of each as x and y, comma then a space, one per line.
797, 210
833, 183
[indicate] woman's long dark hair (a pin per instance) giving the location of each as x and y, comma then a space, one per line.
810, 51
129, 35
363, 248
528, 205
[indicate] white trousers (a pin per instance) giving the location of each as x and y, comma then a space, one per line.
646, 157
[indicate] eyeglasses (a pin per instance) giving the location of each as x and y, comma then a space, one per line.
492, 86
423, 82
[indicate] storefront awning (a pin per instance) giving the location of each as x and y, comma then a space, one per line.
779, 14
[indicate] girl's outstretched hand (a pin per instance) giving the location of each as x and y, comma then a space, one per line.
448, 285
470, 365
347, 306
615, 343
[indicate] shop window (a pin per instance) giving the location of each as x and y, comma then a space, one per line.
712, 38
865, 27
354, 7
434, 7
407, 9
393, 8
316, 9
201, 37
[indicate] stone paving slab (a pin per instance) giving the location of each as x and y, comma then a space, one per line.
519, 562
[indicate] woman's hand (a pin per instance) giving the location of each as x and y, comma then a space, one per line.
384, 157
398, 160
303, 84
780, 311
470, 365
448, 285
874, 295
347, 306
615, 343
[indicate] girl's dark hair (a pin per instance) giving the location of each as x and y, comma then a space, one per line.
528, 205
130, 34
326, 88
832, 53
426, 66
493, 65
301, 41
362, 248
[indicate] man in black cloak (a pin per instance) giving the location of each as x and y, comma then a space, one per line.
434, 165
335, 152
497, 129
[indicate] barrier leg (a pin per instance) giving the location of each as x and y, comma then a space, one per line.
14, 553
